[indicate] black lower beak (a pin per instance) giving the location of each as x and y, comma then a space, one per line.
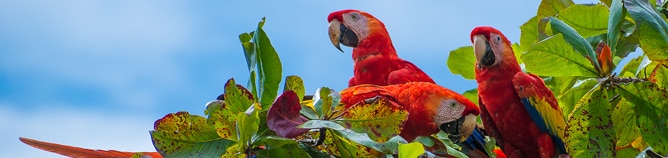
489, 58
348, 37
453, 129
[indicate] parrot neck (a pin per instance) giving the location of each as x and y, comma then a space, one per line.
375, 44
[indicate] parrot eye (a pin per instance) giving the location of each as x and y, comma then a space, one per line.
354, 16
497, 38
453, 104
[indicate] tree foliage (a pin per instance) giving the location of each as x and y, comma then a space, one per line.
611, 110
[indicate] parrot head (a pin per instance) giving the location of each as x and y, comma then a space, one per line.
456, 116
491, 47
352, 27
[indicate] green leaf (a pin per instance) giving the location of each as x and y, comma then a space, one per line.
614, 24
631, 67
317, 124
569, 99
308, 112
452, 148
237, 97
559, 85
625, 126
652, 29
650, 108
629, 41
247, 126
349, 149
438, 147
183, 135
410, 150
588, 129
529, 34
462, 61
284, 117
652, 43
224, 114
575, 40
472, 95
380, 120
269, 67
552, 7
587, 20
555, 50
325, 100
296, 84
518, 53
251, 59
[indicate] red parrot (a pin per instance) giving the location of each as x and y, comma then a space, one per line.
516, 108
375, 60
71, 151
430, 107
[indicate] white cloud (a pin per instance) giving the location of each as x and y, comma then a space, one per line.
75, 127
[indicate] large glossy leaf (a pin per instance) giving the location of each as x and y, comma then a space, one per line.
625, 127
568, 99
588, 130
462, 61
184, 135
379, 120
284, 117
552, 7
587, 20
553, 57
652, 29
614, 23
296, 84
575, 40
269, 66
650, 108
529, 34
262, 59
652, 43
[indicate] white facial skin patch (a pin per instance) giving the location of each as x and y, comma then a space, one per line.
448, 111
358, 23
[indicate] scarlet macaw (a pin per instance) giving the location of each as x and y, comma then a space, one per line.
516, 108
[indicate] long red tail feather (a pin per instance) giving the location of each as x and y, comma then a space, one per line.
72, 151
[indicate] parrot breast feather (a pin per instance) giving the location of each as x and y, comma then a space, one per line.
541, 105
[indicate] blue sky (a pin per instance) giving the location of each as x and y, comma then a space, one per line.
97, 74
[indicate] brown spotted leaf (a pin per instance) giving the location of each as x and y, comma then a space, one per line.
651, 110
184, 135
380, 119
589, 129
284, 117
223, 114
